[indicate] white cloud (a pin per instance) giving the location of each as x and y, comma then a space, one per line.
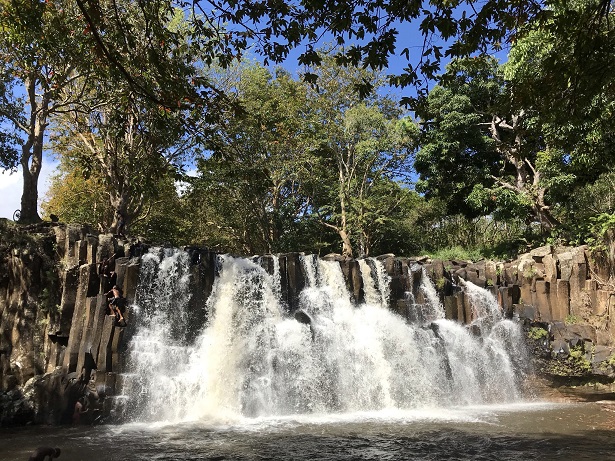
11, 186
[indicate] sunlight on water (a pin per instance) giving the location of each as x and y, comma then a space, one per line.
253, 362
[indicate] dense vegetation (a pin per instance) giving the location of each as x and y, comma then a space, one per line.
158, 115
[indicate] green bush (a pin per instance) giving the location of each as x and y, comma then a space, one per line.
457, 253
537, 333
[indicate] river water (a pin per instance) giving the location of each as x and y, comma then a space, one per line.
345, 382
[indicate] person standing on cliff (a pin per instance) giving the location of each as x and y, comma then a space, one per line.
116, 304
121, 224
42, 452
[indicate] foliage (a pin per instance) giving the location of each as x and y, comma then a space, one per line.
76, 197
562, 69
165, 218
481, 154
537, 333
486, 236
457, 253
589, 214
366, 32
254, 189
578, 361
572, 319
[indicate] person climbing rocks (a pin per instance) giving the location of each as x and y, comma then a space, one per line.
121, 224
41, 453
80, 408
136, 249
106, 268
117, 304
106, 271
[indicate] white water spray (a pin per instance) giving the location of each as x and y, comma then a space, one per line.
252, 359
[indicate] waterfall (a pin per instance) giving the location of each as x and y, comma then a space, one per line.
377, 290
253, 359
157, 352
485, 309
431, 309
308, 263
435, 309
277, 278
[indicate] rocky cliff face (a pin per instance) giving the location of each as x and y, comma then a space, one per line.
58, 345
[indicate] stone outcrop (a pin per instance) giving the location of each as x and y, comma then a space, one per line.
58, 344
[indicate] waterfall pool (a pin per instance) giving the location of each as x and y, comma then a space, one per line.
525, 431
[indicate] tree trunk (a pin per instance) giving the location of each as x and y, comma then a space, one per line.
29, 195
121, 216
343, 229
544, 216
32, 153
346, 245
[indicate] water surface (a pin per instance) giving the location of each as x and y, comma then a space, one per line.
526, 431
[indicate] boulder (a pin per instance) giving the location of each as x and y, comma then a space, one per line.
539, 253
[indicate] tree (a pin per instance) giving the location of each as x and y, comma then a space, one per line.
77, 196
394, 220
562, 72
80, 196
133, 141
480, 153
130, 144
366, 149
261, 164
302, 158
34, 67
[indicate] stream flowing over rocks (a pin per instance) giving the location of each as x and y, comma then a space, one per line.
217, 336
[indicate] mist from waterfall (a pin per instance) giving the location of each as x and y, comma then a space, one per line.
253, 359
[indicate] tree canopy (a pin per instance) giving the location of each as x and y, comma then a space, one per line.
131, 95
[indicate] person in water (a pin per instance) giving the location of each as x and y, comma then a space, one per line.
41, 453
80, 408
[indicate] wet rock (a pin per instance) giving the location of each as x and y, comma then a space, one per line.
302, 317
560, 348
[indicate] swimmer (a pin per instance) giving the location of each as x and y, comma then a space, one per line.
41, 453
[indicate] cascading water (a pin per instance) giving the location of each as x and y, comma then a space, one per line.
431, 309
253, 359
157, 351
376, 290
